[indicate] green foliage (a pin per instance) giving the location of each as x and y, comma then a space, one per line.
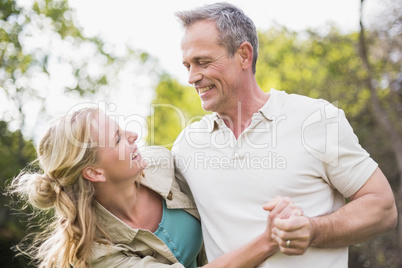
174, 107
15, 154
320, 67
36, 36
60, 14
39, 37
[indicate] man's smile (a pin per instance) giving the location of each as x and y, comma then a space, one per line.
204, 89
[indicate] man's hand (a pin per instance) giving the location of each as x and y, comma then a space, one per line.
287, 226
287, 223
293, 235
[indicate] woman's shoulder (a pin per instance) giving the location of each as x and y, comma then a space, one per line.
160, 177
159, 162
155, 151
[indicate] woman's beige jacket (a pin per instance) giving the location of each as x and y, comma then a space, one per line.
137, 248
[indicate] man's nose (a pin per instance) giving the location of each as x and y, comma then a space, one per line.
194, 75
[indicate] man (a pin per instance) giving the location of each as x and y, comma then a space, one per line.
256, 146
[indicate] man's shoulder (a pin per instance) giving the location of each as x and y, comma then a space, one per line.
206, 122
195, 132
301, 103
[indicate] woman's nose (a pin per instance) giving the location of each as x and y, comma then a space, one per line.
131, 136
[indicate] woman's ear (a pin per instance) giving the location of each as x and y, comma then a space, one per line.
93, 174
245, 51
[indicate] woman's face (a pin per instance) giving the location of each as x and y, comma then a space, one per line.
118, 155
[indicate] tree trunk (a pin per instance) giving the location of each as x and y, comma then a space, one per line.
383, 120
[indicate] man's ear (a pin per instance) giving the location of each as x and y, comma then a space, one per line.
93, 174
245, 51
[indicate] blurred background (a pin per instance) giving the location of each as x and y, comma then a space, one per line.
124, 56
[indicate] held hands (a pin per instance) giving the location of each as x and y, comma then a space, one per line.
288, 227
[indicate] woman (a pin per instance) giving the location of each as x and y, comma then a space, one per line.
112, 211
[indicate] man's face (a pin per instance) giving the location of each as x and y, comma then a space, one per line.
212, 72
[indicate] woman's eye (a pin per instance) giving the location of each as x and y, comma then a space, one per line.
118, 137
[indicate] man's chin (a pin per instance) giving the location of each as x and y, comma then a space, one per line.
207, 106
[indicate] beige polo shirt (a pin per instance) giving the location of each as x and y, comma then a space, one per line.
295, 146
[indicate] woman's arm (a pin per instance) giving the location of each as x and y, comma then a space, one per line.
263, 246
250, 255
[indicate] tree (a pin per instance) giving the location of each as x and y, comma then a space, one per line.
384, 80
14, 156
40, 43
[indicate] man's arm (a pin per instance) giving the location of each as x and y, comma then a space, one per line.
370, 212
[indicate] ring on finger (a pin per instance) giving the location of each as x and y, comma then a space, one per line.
288, 243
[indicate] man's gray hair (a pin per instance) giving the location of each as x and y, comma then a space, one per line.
233, 26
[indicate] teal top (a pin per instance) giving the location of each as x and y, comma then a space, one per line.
181, 232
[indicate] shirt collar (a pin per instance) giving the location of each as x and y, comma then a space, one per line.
212, 123
117, 230
162, 181
272, 107
270, 110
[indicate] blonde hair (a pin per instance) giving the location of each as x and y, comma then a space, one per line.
68, 146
